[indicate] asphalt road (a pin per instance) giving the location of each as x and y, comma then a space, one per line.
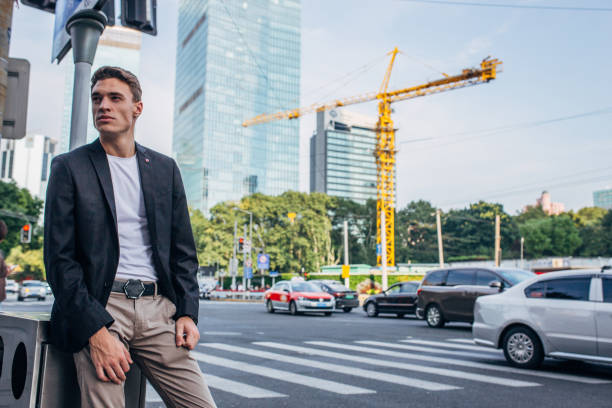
255, 359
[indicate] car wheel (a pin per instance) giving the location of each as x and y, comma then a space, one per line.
347, 309
400, 315
293, 308
328, 313
371, 309
522, 348
269, 306
434, 317
19, 299
42, 298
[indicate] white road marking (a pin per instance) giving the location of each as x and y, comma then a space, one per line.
452, 345
281, 375
239, 388
403, 366
485, 366
336, 368
499, 356
221, 333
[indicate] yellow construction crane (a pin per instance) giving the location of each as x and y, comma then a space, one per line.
385, 141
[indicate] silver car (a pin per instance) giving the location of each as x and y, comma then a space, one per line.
559, 314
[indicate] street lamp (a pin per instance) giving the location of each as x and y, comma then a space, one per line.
250, 241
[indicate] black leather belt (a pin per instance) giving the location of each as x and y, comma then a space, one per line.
134, 288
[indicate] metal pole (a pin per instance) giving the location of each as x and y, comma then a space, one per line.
234, 262
440, 245
383, 247
244, 259
85, 28
522, 246
497, 241
346, 252
250, 243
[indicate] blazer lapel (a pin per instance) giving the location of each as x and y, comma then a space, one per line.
147, 181
100, 163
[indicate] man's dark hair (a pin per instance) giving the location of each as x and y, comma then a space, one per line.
3, 230
121, 74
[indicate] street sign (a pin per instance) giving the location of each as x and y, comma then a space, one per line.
248, 272
248, 263
378, 250
263, 261
346, 269
233, 267
64, 9
274, 274
247, 245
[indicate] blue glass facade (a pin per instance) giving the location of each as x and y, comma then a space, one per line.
235, 60
603, 199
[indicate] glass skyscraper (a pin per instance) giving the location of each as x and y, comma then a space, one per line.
603, 199
118, 46
235, 60
342, 161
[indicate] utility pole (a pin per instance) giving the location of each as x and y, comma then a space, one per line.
522, 246
234, 262
346, 252
244, 260
251, 244
85, 28
440, 246
497, 241
383, 247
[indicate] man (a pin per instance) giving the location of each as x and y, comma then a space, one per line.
120, 258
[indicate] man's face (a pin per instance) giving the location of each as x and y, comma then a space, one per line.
113, 106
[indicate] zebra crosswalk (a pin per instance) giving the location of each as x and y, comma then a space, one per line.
269, 369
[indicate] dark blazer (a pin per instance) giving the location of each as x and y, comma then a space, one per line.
81, 246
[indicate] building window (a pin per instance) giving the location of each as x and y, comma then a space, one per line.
194, 29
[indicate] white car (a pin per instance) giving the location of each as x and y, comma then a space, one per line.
558, 314
32, 289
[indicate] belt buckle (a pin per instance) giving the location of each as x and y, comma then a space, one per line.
133, 289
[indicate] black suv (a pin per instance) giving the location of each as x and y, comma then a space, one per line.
447, 295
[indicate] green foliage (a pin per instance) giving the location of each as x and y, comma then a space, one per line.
19, 201
30, 263
550, 236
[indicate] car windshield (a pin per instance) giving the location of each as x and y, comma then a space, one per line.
32, 284
304, 287
336, 287
515, 276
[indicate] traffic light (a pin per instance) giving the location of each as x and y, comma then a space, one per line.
140, 15
26, 234
240, 244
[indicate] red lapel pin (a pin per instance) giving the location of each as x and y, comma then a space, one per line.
147, 160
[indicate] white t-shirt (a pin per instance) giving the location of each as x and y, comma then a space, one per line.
135, 252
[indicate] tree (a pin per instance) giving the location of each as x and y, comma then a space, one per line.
550, 236
416, 233
30, 263
19, 201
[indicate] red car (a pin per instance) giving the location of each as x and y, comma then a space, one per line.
298, 297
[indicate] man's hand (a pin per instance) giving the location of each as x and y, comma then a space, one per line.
109, 356
187, 333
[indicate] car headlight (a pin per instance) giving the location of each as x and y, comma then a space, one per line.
26, 290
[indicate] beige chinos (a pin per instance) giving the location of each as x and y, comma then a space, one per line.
145, 326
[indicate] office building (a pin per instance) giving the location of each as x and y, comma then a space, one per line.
236, 60
26, 162
603, 199
118, 46
342, 161
546, 204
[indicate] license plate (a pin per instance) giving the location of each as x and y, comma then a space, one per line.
349, 296
321, 304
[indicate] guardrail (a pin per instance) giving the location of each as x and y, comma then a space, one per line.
253, 296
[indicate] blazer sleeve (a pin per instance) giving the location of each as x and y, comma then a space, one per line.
85, 314
183, 255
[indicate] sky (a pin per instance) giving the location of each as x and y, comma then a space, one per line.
543, 124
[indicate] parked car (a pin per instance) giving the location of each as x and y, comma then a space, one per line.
558, 314
205, 289
400, 299
48, 290
32, 289
447, 295
298, 297
11, 287
345, 298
